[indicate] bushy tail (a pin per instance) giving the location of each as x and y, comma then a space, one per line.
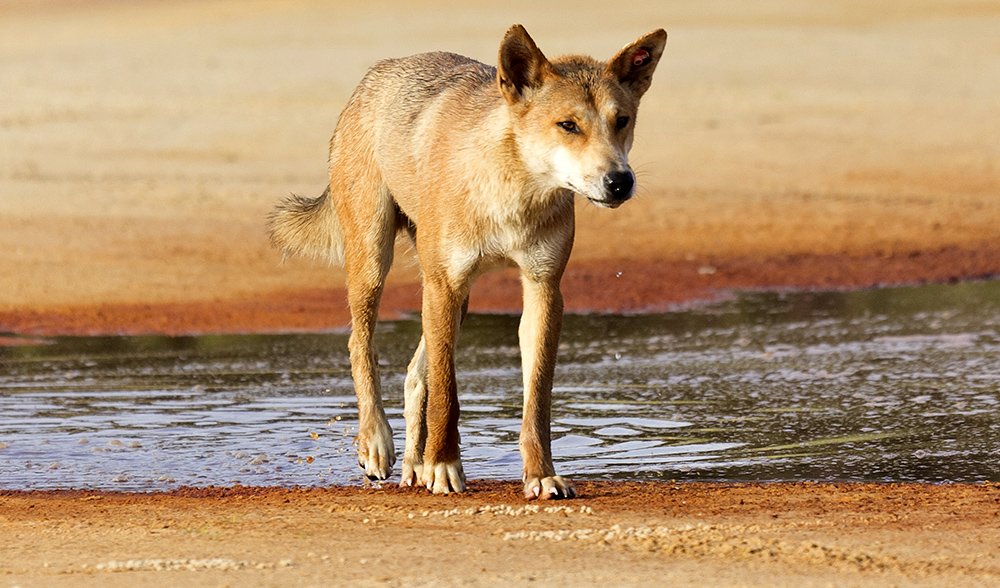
308, 227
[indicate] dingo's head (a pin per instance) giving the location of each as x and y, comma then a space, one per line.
573, 117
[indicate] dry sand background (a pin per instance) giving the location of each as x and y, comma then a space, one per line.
782, 143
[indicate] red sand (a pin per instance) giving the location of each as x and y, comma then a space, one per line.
608, 286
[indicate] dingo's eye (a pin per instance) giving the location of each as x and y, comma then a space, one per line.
569, 126
621, 122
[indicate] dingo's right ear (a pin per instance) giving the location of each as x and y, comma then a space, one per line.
521, 65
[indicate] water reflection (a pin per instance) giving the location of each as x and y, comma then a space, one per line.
895, 384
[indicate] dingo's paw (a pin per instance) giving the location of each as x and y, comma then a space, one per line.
444, 478
376, 453
550, 487
412, 473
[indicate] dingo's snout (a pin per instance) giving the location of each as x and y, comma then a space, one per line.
618, 185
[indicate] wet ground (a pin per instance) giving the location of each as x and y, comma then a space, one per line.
896, 384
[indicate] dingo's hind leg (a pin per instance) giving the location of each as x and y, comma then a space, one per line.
370, 221
415, 412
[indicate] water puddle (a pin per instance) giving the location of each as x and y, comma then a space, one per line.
888, 385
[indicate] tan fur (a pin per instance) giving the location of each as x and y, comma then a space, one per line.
307, 227
479, 165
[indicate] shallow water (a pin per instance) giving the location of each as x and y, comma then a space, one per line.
896, 384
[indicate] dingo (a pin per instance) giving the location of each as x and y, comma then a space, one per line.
479, 166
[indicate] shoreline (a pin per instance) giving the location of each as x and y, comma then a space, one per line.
589, 286
485, 489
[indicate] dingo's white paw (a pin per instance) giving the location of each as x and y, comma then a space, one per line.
376, 453
444, 478
412, 472
550, 487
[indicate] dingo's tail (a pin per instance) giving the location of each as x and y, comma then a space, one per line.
308, 227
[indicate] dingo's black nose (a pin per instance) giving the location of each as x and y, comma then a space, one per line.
618, 184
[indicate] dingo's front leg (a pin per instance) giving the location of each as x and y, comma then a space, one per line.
539, 339
441, 471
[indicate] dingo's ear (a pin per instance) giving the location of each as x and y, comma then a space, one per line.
634, 65
521, 65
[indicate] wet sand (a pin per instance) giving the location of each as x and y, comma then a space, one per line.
781, 145
683, 534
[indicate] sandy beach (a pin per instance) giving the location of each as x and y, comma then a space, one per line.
682, 535
782, 145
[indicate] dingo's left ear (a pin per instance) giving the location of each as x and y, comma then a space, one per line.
521, 65
634, 65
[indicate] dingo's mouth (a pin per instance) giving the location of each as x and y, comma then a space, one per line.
607, 203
